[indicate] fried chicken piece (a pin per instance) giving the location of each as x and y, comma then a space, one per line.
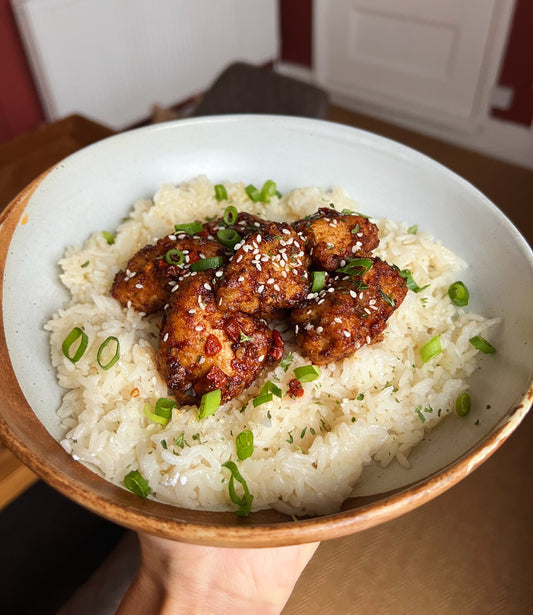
268, 273
244, 225
148, 278
201, 348
332, 237
351, 310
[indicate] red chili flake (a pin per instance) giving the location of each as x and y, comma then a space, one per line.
295, 388
232, 330
217, 377
212, 345
135, 392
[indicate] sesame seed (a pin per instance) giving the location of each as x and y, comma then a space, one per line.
165, 337
338, 320
296, 329
276, 287
193, 311
346, 333
285, 231
261, 288
198, 328
258, 238
172, 237
319, 329
240, 278
207, 286
139, 286
368, 339
353, 294
367, 311
261, 358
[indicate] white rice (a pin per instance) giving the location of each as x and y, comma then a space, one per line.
309, 452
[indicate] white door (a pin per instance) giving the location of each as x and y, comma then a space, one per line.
434, 59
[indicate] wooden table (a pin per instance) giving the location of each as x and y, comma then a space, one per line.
470, 550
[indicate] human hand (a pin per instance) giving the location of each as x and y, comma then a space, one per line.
176, 577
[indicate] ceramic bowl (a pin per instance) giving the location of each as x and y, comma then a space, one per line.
95, 188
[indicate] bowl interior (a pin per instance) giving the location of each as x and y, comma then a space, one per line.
96, 187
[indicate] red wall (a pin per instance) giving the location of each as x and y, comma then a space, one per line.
20, 109
517, 68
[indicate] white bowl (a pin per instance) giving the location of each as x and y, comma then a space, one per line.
96, 187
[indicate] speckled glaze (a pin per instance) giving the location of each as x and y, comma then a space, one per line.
26, 436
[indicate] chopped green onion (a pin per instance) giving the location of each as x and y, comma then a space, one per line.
268, 190
318, 279
228, 237
278, 194
386, 298
418, 410
409, 282
135, 483
244, 444
213, 262
101, 351
85, 264
270, 387
245, 502
209, 403
360, 397
231, 215
459, 294
109, 237
253, 193
70, 340
463, 404
164, 407
262, 399
191, 228
156, 418
431, 349
246, 338
220, 193
356, 266
480, 343
413, 230
180, 257
306, 373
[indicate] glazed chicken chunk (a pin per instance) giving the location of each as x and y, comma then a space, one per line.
202, 348
333, 238
267, 273
150, 275
350, 311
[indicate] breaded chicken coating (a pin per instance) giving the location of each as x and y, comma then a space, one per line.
244, 225
332, 238
267, 273
202, 348
148, 278
351, 310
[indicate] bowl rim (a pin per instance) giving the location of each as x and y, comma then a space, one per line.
207, 531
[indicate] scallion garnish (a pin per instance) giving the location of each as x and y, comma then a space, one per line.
409, 282
164, 407
231, 215
413, 230
109, 237
245, 502
244, 444
102, 350
306, 373
213, 262
318, 279
458, 294
262, 399
253, 193
191, 228
135, 482
75, 335
270, 387
220, 193
209, 403
386, 298
85, 264
356, 266
431, 349
481, 344
228, 237
156, 418
175, 257
463, 404
268, 190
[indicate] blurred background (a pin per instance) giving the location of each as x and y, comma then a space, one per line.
459, 71
453, 79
